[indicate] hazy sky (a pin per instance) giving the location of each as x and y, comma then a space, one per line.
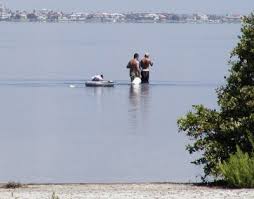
178, 6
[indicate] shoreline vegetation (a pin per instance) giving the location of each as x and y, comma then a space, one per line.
17, 185
123, 191
224, 137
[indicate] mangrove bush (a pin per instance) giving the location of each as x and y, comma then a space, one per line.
216, 133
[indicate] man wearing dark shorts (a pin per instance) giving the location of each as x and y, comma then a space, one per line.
145, 64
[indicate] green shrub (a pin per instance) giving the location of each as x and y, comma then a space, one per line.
238, 171
12, 185
54, 196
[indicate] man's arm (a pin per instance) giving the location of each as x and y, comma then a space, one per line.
128, 65
138, 69
151, 63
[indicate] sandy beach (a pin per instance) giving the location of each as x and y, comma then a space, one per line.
124, 191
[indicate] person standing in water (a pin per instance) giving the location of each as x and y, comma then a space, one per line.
145, 64
133, 65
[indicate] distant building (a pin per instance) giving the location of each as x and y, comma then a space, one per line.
233, 18
45, 15
4, 13
203, 17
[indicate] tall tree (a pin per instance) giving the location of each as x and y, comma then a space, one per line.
216, 133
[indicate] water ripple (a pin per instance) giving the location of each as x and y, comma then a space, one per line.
75, 83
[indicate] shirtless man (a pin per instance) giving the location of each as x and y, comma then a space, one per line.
145, 64
133, 65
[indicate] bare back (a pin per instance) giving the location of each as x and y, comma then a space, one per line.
133, 65
145, 63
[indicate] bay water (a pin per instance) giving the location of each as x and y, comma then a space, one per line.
54, 129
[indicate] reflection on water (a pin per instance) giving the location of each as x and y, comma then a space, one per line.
134, 97
139, 107
98, 95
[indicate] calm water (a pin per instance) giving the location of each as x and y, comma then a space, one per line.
52, 132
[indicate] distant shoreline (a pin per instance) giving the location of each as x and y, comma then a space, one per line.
47, 15
84, 22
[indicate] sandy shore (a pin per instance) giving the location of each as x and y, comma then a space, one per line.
124, 191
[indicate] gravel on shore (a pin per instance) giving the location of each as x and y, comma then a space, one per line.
124, 191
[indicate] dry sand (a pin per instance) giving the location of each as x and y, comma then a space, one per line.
124, 191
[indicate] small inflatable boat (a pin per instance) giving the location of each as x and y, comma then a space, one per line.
102, 83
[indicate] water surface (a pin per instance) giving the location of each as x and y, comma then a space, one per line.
54, 129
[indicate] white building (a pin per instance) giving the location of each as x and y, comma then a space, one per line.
203, 17
152, 17
4, 14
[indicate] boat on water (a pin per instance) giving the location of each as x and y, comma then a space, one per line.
108, 83
102, 83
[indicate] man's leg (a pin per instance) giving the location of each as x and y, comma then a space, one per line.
142, 76
148, 76
145, 77
132, 77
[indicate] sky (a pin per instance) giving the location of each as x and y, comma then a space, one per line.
177, 6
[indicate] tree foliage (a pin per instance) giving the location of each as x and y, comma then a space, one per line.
238, 171
216, 133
